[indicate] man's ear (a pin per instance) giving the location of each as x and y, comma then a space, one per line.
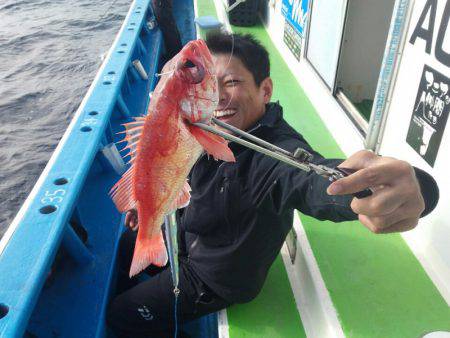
266, 88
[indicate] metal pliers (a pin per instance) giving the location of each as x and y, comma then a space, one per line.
300, 158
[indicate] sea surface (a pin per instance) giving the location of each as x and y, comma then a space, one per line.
50, 52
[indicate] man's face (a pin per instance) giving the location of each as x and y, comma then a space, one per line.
241, 101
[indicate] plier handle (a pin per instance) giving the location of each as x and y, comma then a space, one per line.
300, 158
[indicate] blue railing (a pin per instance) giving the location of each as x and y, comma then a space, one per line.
71, 198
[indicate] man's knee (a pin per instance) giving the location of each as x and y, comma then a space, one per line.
115, 318
132, 320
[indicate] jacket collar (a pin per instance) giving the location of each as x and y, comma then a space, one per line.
273, 114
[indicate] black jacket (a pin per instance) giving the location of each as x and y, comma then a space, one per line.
240, 213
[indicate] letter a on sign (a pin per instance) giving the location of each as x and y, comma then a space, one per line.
442, 55
425, 33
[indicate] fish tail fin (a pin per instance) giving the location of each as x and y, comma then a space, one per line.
148, 250
214, 145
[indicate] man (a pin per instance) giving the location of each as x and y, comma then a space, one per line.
240, 213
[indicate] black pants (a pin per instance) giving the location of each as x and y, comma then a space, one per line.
146, 308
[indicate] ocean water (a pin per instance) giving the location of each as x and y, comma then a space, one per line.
49, 54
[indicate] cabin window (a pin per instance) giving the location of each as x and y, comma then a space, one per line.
346, 42
363, 43
324, 38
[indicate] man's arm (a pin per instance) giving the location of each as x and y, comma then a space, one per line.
401, 193
399, 199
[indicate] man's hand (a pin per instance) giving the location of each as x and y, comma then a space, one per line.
131, 219
396, 203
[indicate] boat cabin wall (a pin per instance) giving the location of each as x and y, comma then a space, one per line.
416, 129
284, 26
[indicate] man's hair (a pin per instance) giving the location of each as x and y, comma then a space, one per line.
244, 47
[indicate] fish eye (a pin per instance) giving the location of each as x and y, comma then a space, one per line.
189, 64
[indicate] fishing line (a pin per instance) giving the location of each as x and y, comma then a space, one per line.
232, 50
226, 67
176, 291
165, 73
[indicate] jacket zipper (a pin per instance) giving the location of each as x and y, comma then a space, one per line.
194, 243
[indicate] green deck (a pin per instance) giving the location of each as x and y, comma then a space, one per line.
377, 286
272, 314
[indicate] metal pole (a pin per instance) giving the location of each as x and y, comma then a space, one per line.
250, 137
379, 108
255, 147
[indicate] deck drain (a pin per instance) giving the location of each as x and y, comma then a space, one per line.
60, 181
48, 209
3, 310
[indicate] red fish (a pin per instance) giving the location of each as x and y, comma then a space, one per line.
164, 146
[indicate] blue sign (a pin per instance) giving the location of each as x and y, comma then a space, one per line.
296, 12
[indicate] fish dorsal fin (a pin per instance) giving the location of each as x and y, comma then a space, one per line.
183, 197
213, 144
133, 131
122, 192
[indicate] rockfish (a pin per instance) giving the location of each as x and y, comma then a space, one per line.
164, 146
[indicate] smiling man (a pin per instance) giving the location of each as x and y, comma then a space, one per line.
240, 213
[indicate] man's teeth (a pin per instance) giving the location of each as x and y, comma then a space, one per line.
220, 113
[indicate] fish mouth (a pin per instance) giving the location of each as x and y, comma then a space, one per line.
193, 72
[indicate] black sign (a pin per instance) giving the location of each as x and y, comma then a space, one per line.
430, 114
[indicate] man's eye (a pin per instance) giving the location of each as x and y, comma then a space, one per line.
231, 83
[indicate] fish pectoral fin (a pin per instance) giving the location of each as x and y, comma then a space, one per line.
214, 145
148, 250
183, 197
